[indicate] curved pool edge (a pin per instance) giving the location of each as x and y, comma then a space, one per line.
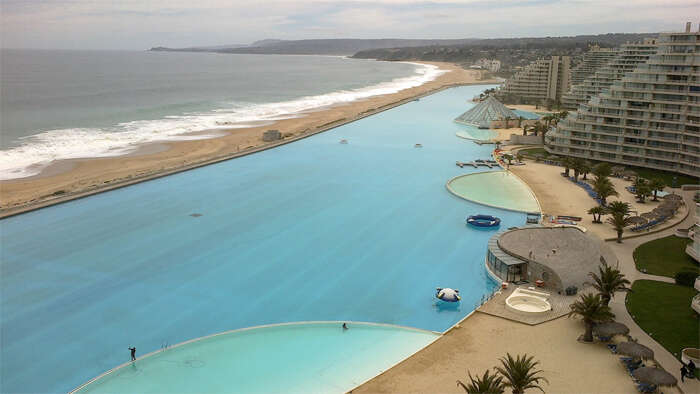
461, 134
436, 334
532, 193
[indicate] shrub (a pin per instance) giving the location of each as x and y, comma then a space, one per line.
686, 278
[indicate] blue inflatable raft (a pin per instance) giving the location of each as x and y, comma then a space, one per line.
483, 221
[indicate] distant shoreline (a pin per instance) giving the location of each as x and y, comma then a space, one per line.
68, 180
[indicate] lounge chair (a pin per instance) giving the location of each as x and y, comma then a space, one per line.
646, 388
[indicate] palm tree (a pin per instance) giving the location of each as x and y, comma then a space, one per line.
619, 212
487, 384
578, 165
561, 115
508, 157
607, 281
585, 168
597, 210
604, 188
548, 119
506, 120
541, 130
592, 310
567, 163
520, 120
641, 189
657, 185
537, 127
602, 170
520, 373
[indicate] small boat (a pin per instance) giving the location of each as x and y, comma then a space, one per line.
418, 145
483, 221
343, 141
448, 295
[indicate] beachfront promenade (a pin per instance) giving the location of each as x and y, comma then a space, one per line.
571, 366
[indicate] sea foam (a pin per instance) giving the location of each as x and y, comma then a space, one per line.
38, 151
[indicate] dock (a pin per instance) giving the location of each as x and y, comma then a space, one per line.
477, 163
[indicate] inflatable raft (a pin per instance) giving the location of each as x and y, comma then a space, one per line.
447, 294
483, 221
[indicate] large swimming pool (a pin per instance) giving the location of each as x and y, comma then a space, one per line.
322, 358
313, 230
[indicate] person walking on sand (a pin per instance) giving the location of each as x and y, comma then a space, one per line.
133, 353
684, 373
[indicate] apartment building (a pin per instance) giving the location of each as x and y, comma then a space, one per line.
649, 118
590, 62
539, 81
626, 59
492, 65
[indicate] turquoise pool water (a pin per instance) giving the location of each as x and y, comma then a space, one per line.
313, 230
473, 133
322, 358
526, 114
495, 188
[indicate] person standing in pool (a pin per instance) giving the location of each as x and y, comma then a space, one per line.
345, 326
133, 353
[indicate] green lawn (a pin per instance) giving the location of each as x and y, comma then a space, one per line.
664, 256
534, 151
663, 311
667, 177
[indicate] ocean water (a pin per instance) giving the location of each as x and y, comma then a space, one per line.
312, 230
74, 104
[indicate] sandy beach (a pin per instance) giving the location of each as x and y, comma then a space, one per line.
70, 179
570, 366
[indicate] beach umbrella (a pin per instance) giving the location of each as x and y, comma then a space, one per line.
635, 350
656, 376
671, 197
673, 204
648, 216
617, 169
663, 211
637, 220
611, 328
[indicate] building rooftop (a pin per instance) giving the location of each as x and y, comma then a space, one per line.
568, 251
482, 114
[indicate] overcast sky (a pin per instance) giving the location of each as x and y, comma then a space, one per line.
140, 24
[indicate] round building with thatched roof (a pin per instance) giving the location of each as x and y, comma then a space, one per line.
555, 258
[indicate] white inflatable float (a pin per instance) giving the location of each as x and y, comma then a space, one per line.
447, 294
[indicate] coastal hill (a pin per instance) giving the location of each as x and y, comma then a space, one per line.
343, 46
512, 52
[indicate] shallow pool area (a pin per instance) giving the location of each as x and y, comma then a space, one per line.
499, 189
313, 230
526, 114
473, 133
322, 358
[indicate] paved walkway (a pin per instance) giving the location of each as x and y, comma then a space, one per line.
496, 306
624, 253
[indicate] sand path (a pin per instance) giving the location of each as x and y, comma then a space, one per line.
570, 366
